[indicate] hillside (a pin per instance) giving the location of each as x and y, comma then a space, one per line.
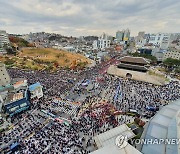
20, 42
45, 59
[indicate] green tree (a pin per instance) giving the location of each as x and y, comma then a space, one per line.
170, 62
150, 57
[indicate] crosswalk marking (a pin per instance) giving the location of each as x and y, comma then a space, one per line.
60, 106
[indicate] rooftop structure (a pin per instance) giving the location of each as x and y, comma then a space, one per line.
172, 53
134, 68
111, 149
134, 60
109, 137
164, 125
106, 142
36, 90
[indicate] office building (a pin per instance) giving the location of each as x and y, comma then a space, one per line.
126, 35
161, 40
119, 35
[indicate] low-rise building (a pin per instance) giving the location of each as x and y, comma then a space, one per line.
15, 94
69, 48
172, 53
16, 97
158, 54
36, 90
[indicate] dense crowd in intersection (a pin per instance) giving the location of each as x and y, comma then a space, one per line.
93, 117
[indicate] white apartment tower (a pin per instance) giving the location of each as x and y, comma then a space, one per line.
102, 42
3, 38
161, 40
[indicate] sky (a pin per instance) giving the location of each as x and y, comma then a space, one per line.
89, 17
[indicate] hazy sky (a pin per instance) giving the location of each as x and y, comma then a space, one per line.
89, 17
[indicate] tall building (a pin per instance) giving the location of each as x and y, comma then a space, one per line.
4, 76
95, 44
119, 35
140, 39
3, 38
102, 42
126, 35
161, 40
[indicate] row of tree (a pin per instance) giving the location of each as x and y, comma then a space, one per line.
172, 64
15, 44
147, 56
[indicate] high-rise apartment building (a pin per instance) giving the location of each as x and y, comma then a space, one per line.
161, 40
126, 35
119, 35
3, 40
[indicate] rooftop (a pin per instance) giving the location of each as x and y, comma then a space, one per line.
164, 125
34, 86
109, 137
132, 67
112, 149
138, 60
106, 142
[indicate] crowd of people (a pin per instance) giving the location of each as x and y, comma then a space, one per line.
92, 116
24, 126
